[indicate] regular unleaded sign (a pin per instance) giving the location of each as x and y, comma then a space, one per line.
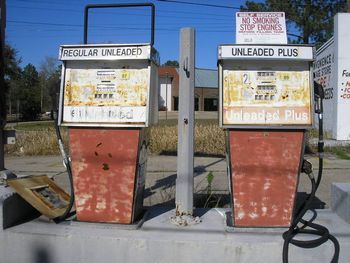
106, 52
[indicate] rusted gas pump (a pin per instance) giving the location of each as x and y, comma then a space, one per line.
266, 106
108, 97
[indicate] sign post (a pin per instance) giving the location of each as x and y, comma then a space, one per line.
185, 161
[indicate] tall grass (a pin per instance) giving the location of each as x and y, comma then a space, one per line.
40, 142
209, 138
40, 139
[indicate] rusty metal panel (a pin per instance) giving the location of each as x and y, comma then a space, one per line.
140, 175
264, 174
104, 164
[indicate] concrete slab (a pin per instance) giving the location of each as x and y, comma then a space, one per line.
159, 241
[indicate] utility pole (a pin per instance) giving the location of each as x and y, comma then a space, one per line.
185, 158
2, 82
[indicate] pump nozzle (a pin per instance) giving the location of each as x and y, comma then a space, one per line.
318, 96
318, 90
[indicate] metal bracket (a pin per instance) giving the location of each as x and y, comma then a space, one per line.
91, 6
185, 67
9, 136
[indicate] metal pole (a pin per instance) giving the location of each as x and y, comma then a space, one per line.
185, 160
2, 82
166, 96
86, 15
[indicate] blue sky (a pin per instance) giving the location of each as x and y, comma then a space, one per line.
36, 28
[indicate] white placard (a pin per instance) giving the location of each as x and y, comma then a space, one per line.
261, 28
106, 114
266, 52
106, 52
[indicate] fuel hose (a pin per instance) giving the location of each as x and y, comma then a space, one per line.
308, 226
66, 161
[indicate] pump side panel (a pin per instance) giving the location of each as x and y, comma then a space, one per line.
265, 168
104, 166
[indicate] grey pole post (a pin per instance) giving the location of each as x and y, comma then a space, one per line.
2, 82
185, 159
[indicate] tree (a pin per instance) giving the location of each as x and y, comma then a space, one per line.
12, 73
29, 94
171, 63
48, 75
312, 18
53, 87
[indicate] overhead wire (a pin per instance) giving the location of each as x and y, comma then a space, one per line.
199, 4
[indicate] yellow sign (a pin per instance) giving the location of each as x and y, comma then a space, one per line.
264, 97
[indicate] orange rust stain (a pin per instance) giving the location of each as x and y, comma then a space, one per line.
104, 183
265, 170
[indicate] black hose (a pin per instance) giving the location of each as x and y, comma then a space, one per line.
316, 229
66, 161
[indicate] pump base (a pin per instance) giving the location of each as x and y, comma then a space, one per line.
265, 167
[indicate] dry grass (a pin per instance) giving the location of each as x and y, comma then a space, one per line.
209, 139
163, 139
40, 142
40, 139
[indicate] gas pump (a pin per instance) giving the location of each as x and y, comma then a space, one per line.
108, 98
266, 107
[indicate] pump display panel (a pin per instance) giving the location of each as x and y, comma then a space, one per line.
106, 94
107, 86
265, 86
266, 97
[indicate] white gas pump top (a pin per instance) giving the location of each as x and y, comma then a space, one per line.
108, 85
108, 52
262, 52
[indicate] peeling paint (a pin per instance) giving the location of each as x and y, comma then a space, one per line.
104, 186
264, 176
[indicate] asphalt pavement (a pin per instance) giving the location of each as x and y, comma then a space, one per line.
161, 175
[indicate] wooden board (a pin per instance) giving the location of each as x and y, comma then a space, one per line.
42, 193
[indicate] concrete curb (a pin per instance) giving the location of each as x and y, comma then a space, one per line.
340, 202
159, 241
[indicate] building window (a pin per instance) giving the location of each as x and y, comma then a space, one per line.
196, 104
210, 104
176, 103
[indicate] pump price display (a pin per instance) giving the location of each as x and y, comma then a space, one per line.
106, 95
264, 97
